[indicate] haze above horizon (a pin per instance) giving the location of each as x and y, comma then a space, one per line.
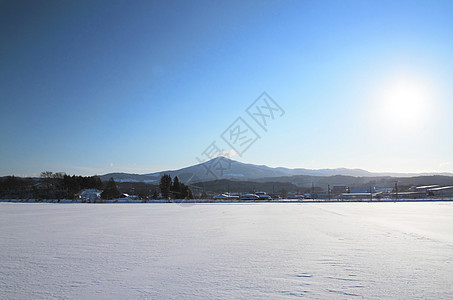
139, 87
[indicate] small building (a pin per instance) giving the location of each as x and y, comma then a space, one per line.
89, 195
225, 196
249, 197
339, 189
129, 197
363, 190
361, 196
441, 192
409, 195
263, 196
423, 188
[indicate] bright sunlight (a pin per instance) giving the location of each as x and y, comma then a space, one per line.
405, 102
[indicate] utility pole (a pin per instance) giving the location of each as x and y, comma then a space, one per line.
396, 190
312, 191
371, 194
328, 191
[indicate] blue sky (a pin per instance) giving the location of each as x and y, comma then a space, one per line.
92, 87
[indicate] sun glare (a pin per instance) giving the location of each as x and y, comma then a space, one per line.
404, 102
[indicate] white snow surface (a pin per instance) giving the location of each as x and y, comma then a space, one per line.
240, 251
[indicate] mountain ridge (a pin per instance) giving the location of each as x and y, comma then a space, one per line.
225, 168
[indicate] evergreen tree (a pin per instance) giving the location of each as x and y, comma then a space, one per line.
165, 185
111, 190
176, 188
186, 193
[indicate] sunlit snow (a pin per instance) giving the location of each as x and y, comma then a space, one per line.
208, 251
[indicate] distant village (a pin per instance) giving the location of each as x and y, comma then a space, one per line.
344, 193
59, 187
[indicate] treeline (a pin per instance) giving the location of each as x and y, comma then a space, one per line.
16, 187
62, 186
49, 186
174, 189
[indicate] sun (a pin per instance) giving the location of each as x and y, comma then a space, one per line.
404, 101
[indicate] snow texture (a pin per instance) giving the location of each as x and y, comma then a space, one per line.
209, 251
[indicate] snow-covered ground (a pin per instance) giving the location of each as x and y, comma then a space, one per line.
208, 251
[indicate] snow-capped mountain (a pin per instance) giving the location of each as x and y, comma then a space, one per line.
225, 168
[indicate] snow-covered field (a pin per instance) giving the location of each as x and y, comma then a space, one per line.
208, 251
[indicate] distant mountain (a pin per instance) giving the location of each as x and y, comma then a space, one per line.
327, 172
225, 168
126, 177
